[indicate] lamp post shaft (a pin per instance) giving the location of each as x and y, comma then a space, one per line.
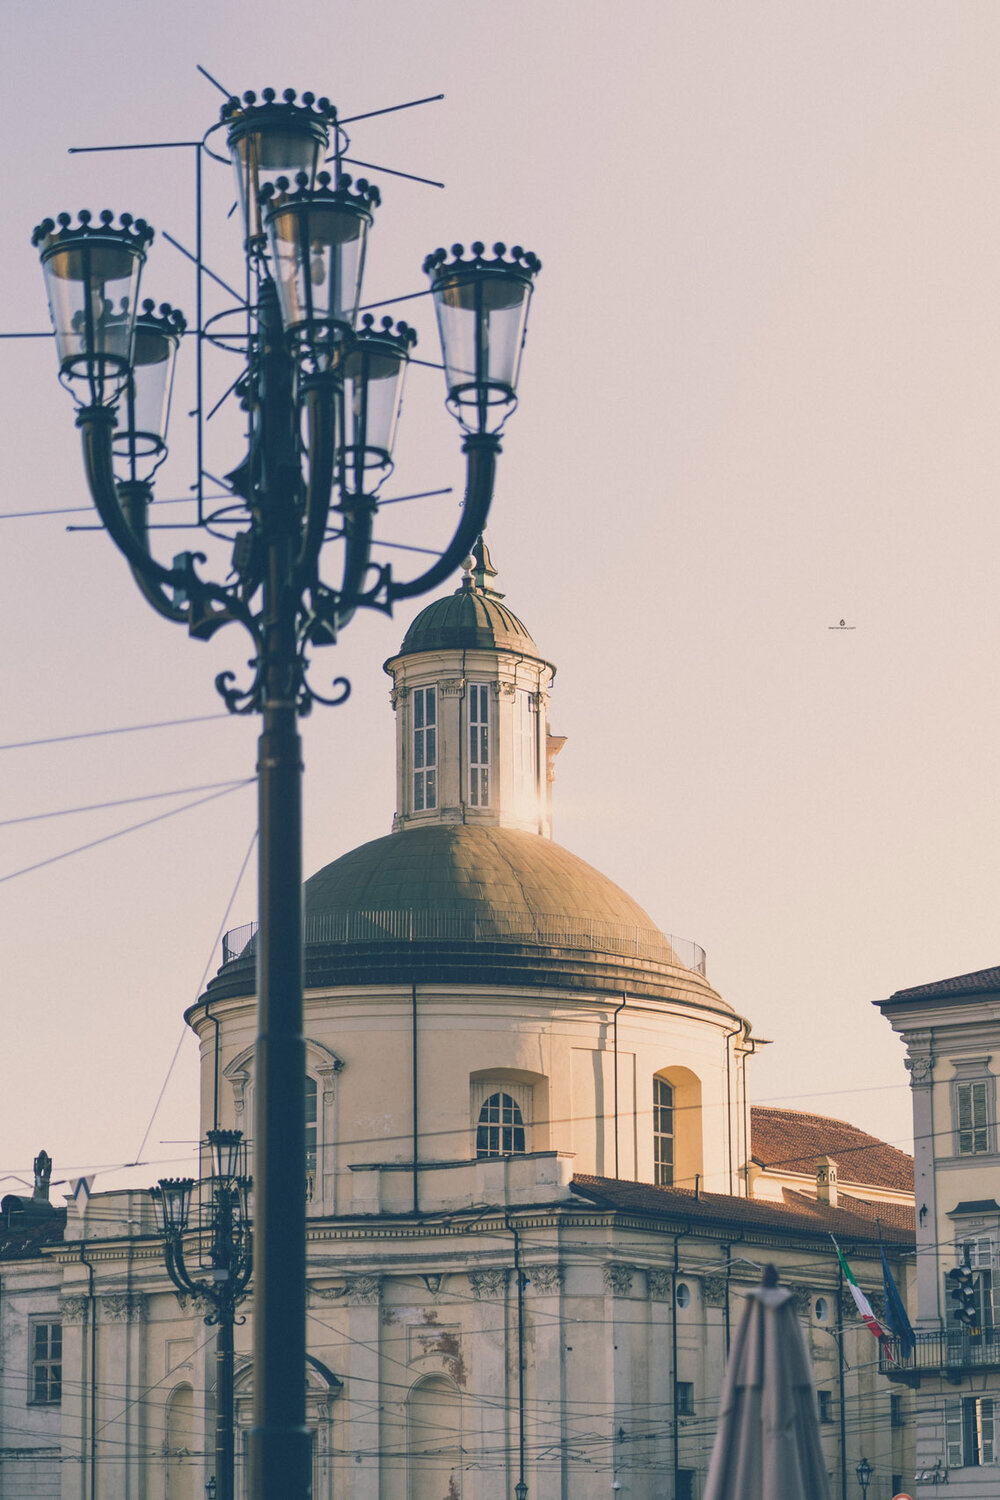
224, 1401
280, 1452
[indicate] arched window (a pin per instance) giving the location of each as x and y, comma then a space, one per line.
500, 1131
181, 1444
663, 1132
434, 1444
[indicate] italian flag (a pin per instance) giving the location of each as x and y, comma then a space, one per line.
861, 1301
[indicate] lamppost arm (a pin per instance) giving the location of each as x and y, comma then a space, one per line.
481, 450
209, 606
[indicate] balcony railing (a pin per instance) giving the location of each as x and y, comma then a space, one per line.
439, 924
950, 1353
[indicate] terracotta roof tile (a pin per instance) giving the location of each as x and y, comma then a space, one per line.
791, 1140
980, 982
799, 1213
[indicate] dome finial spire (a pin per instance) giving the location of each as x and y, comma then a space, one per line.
483, 571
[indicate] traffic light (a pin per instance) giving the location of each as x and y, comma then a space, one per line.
964, 1295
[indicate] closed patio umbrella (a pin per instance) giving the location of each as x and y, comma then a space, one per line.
767, 1445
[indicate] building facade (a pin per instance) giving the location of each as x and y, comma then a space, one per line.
534, 1192
951, 1030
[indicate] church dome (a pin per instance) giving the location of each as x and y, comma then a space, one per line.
497, 876
475, 904
473, 618
468, 620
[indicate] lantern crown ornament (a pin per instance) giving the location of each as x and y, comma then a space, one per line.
317, 236
92, 275
482, 311
266, 137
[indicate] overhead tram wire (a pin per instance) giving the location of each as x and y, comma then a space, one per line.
121, 832
183, 791
94, 734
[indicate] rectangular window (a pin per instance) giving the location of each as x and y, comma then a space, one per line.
825, 1406
46, 1363
970, 1432
479, 744
896, 1418
424, 748
684, 1489
973, 1130
663, 1132
525, 748
685, 1398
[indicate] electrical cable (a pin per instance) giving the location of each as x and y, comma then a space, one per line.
108, 838
96, 734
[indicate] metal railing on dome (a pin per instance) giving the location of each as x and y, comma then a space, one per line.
467, 924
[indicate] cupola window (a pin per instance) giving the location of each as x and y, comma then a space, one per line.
424, 748
500, 1131
479, 744
663, 1132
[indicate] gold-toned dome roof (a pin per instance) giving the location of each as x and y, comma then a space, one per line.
474, 904
473, 618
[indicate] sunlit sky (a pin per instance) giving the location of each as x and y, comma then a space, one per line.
759, 395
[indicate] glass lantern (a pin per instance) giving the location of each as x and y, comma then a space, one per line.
141, 430
317, 240
175, 1203
270, 139
373, 371
227, 1153
482, 312
92, 280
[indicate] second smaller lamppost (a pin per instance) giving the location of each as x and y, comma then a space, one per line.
212, 1259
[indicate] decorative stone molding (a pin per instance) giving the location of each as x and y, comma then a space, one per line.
399, 695
452, 687
124, 1307
618, 1278
661, 1285
239, 1083
193, 1303
803, 1299
546, 1279
73, 1309
328, 1293
919, 1060
491, 1282
713, 1291
363, 1291
507, 689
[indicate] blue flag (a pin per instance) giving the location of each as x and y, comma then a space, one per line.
895, 1312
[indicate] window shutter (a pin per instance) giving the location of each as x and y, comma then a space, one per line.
987, 1445
953, 1433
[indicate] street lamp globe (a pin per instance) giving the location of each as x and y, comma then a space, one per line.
482, 310
373, 373
92, 282
268, 139
864, 1472
175, 1203
227, 1150
142, 438
317, 237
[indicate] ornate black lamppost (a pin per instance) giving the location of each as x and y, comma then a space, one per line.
322, 396
864, 1472
221, 1242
